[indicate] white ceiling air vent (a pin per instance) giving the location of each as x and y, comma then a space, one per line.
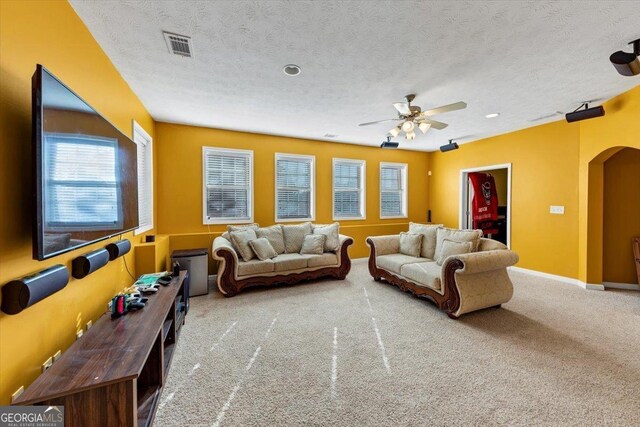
178, 45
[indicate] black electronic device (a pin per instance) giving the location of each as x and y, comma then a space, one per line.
389, 143
164, 280
627, 63
25, 292
449, 147
86, 264
85, 171
587, 113
119, 248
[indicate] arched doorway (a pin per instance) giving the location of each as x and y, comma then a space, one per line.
612, 201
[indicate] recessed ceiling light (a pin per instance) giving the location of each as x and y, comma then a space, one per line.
492, 115
291, 70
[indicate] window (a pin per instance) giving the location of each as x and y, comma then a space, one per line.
348, 189
295, 193
393, 190
228, 185
145, 178
81, 189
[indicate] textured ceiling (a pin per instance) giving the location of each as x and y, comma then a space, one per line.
523, 59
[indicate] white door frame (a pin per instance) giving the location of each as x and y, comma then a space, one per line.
464, 194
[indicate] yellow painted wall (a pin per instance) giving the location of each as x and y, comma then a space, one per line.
179, 179
621, 215
544, 172
600, 139
49, 33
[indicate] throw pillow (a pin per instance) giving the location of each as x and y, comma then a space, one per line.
451, 247
240, 241
294, 236
313, 244
332, 231
429, 231
274, 235
410, 244
231, 228
262, 248
456, 235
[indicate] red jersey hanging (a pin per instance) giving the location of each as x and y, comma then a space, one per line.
484, 209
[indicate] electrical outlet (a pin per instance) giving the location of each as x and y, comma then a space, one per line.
17, 393
57, 355
89, 324
79, 333
429, 173
556, 210
47, 364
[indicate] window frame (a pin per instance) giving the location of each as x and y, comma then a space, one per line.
362, 190
312, 181
148, 143
250, 199
404, 175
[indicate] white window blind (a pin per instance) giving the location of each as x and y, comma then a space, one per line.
81, 182
393, 190
228, 182
145, 178
295, 177
348, 189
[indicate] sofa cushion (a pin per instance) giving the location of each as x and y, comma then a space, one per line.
429, 237
231, 228
274, 235
294, 235
313, 244
423, 273
456, 235
332, 231
449, 248
255, 266
410, 244
394, 262
262, 248
284, 262
240, 241
326, 259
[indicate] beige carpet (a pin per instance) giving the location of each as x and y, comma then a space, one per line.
555, 355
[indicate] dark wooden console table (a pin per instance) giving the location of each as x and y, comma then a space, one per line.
114, 374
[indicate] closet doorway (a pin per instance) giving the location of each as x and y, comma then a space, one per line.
500, 219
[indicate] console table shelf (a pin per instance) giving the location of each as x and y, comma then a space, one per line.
113, 375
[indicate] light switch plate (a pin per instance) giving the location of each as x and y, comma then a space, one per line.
557, 210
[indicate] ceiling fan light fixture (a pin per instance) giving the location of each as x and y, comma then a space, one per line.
410, 136
424, 127
408, 126
395, 131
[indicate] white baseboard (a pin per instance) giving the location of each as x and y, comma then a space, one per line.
616, 285
569, 280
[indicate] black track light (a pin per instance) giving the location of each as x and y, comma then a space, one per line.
627, 63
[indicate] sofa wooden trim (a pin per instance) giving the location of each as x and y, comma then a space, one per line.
230, 285
449, 301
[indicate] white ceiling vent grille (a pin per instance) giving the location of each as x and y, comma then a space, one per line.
178, 45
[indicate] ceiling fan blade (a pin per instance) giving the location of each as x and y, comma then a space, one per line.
435, 124
446, 108
379, 121
403, 108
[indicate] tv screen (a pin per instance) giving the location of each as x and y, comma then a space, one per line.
86, 177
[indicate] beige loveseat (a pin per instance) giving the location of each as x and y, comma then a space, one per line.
287, 267
461, 283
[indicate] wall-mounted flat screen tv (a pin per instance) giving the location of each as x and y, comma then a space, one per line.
85, 171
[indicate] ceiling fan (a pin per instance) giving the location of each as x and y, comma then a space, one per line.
413, 117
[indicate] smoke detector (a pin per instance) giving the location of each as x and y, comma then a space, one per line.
178, 45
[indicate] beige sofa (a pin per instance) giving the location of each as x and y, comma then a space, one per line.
236, 274
461, 284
